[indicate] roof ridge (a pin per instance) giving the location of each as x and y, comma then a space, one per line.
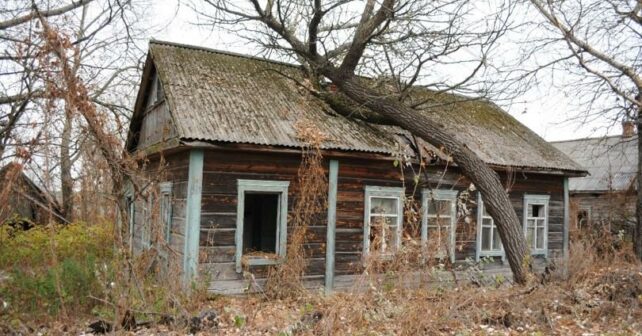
593, 138
222, 52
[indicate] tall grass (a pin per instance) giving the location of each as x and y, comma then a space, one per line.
37, 283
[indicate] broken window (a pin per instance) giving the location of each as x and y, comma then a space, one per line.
535, 222
384, 207
583, 218
439, 222
491, 244
261, 222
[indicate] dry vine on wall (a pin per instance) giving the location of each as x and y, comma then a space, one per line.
285, 280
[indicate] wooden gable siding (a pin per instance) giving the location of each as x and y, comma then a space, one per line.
156, 126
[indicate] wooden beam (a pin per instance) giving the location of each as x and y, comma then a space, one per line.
332, 223
193, 214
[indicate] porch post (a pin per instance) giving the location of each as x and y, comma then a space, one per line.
193, 214
332, 223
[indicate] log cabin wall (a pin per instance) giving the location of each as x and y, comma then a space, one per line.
222, 169
174, 170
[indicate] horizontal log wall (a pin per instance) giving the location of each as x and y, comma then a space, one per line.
221, 171
173, 169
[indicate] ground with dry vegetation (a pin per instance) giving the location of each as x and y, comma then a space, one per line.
593, 296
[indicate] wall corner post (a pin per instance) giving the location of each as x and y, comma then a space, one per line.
193, 215
567, 215
333, 176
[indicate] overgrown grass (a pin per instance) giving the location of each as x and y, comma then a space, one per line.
48, 268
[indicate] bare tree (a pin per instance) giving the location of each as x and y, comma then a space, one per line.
105, 37
602, 39
407, 39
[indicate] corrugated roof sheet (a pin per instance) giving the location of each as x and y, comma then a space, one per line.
611, 162
218, 96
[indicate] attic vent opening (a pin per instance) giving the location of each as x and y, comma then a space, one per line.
260, 222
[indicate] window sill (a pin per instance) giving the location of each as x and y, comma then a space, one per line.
262, 261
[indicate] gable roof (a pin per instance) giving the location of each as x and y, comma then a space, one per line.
219, 96
34, 194
611, 162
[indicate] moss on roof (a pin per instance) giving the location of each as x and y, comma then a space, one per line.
226, 97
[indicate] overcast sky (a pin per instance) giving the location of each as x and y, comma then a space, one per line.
545, 110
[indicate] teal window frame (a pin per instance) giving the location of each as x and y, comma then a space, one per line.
439, 195
537, 200
397, 193
166, 209
262, 186
480, 217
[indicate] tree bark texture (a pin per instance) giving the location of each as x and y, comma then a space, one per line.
485, 179
66, 181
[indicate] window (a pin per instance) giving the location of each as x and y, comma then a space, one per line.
583, 217
536, 222
383, 218
438, 222
131, 217
146, 232
166, 209
261, 221
155, 91
487, 234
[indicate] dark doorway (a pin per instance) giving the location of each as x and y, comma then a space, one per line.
259, 223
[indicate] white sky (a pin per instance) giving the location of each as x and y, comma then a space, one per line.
545, 110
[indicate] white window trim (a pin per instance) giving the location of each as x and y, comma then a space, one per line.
537, 200
280, 187
382, 192
439, 195
480, 253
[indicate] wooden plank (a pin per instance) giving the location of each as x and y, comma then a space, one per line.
566, 225
193, 215
332, 222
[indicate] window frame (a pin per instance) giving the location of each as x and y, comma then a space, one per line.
480, 216
398, 193
165, 189
266, 186
536, 200
439, 195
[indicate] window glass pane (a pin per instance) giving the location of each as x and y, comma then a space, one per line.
530, 222
540, 238
530, 231
485, 238
487, 221
485, 213
439, 207
386, 206
496, 240
443, 222
383, 233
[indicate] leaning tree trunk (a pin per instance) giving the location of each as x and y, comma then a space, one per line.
637, 235
485, 179
66, 181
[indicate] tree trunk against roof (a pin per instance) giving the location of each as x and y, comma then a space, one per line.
383, 22
487, 181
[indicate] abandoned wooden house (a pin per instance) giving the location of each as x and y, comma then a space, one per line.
23, 204
218, 131
607, 196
